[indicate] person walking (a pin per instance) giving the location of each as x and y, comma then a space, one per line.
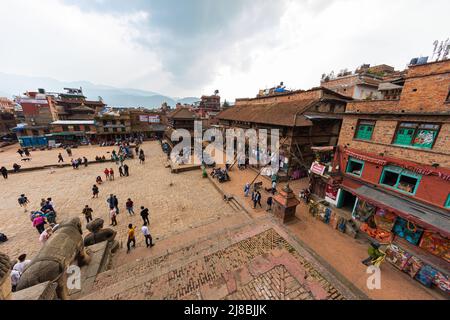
113, 216
23, 201
20, 151
69, 152
4, 172
126, 170
141, 158
258, 198
129, 205
111, 174
60, 158
131, 237
121, 172
116, 204
27, 152
85, 161
87, 211
106, 172
147, 236
145, 214
95, 191
274, 187
39, 224
269, 204
110, 201
246, 189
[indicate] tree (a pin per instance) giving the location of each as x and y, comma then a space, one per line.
225, 104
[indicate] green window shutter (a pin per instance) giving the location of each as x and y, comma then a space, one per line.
425, 138
404, 137
364, 132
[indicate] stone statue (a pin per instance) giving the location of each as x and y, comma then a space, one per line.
98, 234
64, 248
5, 277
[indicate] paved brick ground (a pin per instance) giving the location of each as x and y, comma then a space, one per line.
176, 202
343, 253
258, 267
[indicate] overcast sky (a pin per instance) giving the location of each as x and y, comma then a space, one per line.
191, 47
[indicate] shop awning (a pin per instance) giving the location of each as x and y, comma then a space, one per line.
67, 133
429, 218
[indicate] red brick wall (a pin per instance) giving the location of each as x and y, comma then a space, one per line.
375, 106
432, 189
383, 136
298, 95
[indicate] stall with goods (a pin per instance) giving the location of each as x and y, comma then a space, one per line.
377, 223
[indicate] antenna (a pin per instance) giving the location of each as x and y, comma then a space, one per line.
446, 49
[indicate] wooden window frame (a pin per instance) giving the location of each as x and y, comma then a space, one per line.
360, 121
416, 129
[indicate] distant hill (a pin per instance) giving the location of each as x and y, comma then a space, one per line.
11, 85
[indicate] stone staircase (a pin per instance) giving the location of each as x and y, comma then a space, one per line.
246, 259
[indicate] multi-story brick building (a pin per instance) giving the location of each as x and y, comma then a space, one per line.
6, 105
73, 105
36, 117
394, 167
305, 119
361, 84
147, 123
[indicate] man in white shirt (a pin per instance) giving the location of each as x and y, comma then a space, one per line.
15, 277
22, 264
147, 235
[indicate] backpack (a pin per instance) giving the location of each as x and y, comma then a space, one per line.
3, 237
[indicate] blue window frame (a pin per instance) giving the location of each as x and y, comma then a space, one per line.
400, 179
355, 167
447, 203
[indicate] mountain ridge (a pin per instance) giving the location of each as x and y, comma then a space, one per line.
13, 85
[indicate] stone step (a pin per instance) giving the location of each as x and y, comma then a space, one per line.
167, 254
129, 275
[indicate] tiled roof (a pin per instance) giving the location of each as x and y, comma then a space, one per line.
182, 113
281, 113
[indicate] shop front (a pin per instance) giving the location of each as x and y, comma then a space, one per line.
416, 237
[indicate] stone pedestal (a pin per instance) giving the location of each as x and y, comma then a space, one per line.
285, 204
5, 277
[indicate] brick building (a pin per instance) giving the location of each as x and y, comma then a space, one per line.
394, 169
361, 84
148, 123
73, 105
36, 117
6, 105
305, 119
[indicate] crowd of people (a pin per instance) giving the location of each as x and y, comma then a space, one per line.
45, 215
44, 219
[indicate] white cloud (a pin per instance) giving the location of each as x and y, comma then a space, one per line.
295, 45
47, 38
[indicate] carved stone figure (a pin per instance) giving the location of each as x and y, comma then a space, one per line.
98, 234
5, 277
60, 251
